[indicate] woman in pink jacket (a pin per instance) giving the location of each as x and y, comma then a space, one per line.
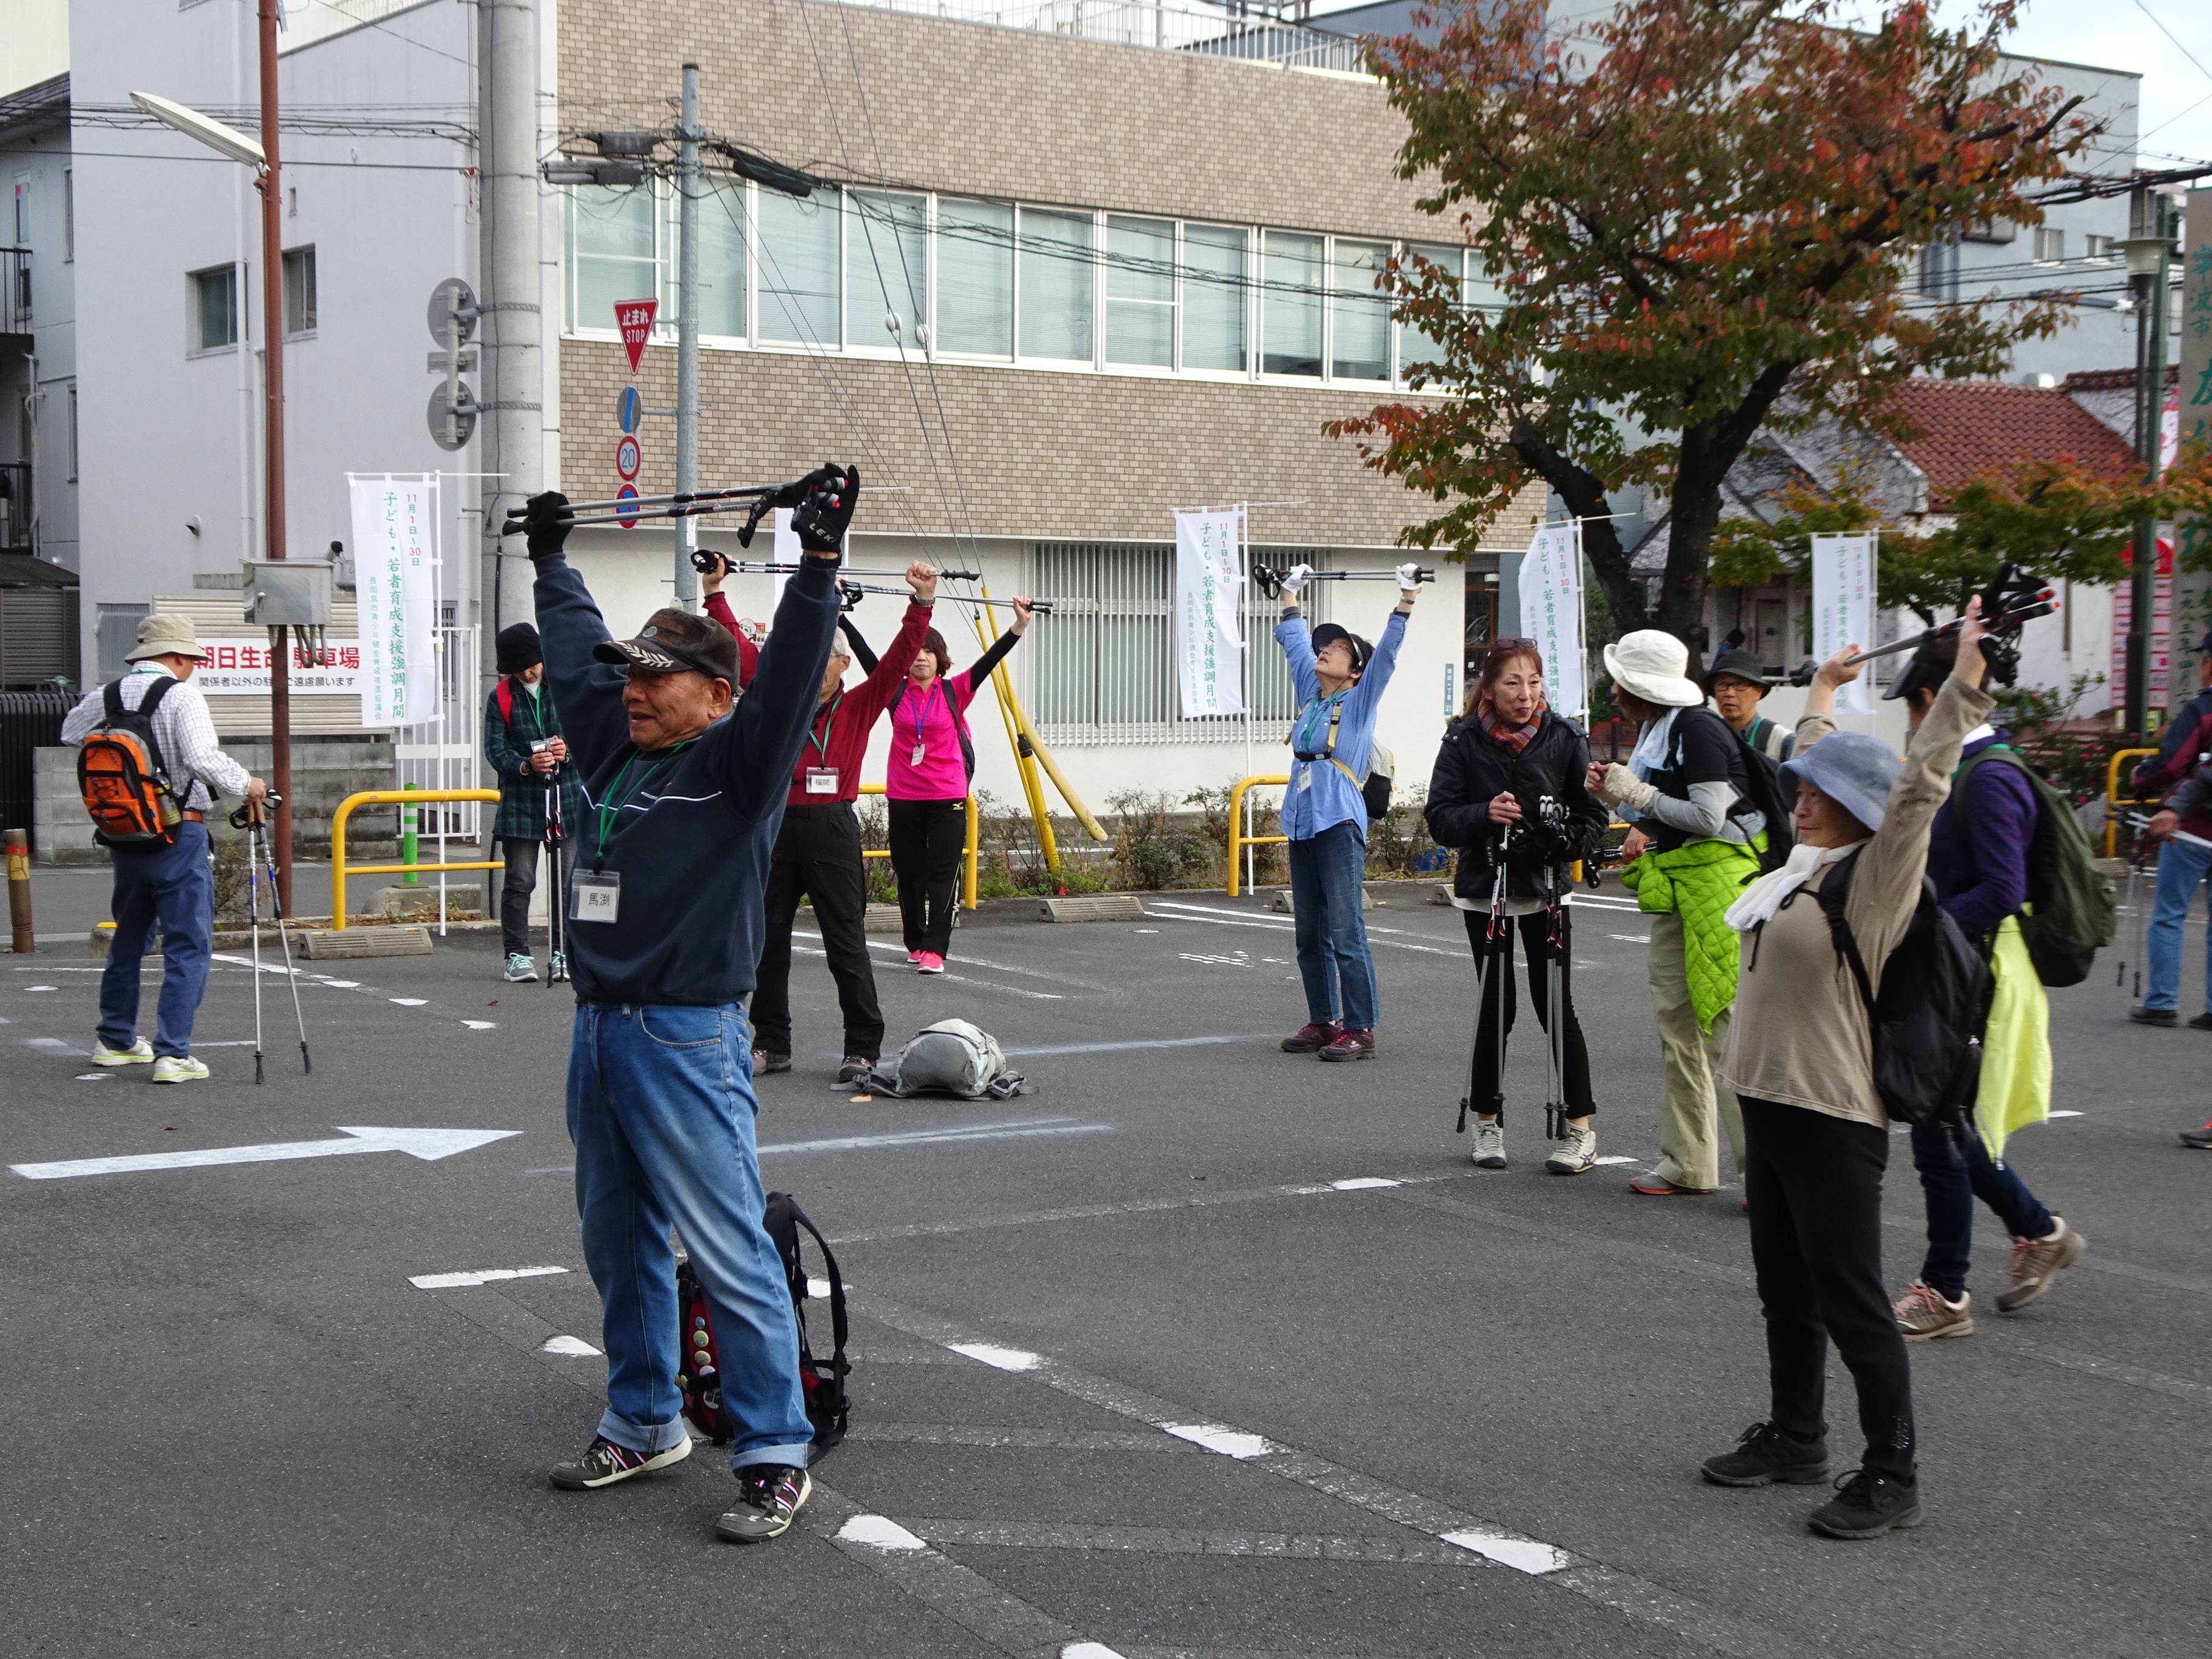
931, 762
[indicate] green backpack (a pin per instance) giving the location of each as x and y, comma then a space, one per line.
2071, 913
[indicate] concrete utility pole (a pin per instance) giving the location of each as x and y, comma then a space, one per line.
2146, 248
272, 445
513, 362
687, 333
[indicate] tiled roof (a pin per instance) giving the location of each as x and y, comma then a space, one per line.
2112, 380
1969, 428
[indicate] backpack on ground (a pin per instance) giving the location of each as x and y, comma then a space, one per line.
823, 1381
122, 776
951, 1057
2071, 912
1928, 1020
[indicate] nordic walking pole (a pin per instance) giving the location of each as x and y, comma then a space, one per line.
554, 911
283, 940
1555, 975
253, 920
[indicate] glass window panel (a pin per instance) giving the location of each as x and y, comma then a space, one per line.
799, 268
975, 277
1414, 347
1213, 298
614, 251
300, 290
1359, 313
722, 260
886, 245
1140, 292
1055, 276
1291, 305
215, 295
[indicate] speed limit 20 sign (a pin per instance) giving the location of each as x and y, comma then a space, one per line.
627, 457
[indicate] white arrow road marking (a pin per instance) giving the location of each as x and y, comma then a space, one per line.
474, 1277
880, 1531
575, 1346
426, 1144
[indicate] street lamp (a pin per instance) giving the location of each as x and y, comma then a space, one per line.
261, 157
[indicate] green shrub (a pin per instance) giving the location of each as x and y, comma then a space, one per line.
1155, 846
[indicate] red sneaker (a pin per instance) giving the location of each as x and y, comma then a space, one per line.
1310, 1037
1351, 1045
928, 961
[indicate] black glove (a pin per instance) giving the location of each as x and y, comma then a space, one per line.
828, 495
546, 523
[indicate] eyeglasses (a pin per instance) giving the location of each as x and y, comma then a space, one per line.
1515, 644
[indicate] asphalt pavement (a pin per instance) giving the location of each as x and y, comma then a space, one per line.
1200, 1349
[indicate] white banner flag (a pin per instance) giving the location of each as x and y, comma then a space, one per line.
1209, 646
394, 534
1843, 606
1552, 615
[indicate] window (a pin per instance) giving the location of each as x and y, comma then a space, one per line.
2050, 246
299, 292
1359, 313
1054, 312
22, 210
1990, 230
214, 309
2097, 247
1290, 305
116, 635
69, 213
798, 269
1140, 282
1213, 298
1415, 348
887, 268
975, 278
722, 260
72, 431
615, 255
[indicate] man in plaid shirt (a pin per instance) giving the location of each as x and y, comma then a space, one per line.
172, 883
524, 744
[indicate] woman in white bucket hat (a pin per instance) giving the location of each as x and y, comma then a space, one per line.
1689, 854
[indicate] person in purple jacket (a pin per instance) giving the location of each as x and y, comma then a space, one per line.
2185, 859
1978, 866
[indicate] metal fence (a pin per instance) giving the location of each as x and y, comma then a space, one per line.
14, 290
1211, 32
440, 753
29, 721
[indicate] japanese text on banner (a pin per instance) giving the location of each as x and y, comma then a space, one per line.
394, 527
1843, 605
1209, 648
1552, 615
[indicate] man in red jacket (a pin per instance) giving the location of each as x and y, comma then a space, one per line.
817, 850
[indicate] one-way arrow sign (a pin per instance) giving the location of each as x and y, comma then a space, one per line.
427, 1144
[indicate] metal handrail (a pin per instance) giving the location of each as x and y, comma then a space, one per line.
971, 855
1237, 839
339, 869
2113, 797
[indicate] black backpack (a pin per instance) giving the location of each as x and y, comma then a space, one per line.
1761, 790
959, 727
2071, 913
1928, 1021
823, 1381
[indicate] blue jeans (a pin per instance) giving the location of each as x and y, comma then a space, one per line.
1327, 875
174, 884
661, 1108
2181, 865
1951, 1190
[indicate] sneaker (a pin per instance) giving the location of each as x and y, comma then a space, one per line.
1867, 1505
1312, 1037
1574, 1153
766, 1060
556, 972
1923, 1313
913, 956
140, 1053
925, 962
2037, 1261
1764, 1455
770, 1498
853, 1071
603, 1463
1350, 1045
179, 1068
2201, 1022
1654, 1185
2200, 1139
1489, 1144
2143, 1016
520, 970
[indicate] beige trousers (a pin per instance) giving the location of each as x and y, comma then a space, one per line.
1695, 1105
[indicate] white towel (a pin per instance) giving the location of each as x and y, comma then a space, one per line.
1764, 896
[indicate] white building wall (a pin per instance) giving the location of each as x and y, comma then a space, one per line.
34, 42
34, 171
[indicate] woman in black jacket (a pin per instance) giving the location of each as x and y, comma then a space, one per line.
1511, 774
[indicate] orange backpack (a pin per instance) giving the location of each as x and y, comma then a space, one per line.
120, 774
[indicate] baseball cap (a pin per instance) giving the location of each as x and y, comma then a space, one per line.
674, 643
1328, 633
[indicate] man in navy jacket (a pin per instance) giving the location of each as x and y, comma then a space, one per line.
681, 798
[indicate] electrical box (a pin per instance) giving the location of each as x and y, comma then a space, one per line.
287, 592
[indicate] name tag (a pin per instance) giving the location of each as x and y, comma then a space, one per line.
820, 780
1305, 780
916, 756
595, 896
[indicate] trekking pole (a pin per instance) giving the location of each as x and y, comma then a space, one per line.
2143, 909
1555, 975
555, 915
253, 920
283, 940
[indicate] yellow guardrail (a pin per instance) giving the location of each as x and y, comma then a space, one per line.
2113, 797
340, 870
1238, 841
970, 854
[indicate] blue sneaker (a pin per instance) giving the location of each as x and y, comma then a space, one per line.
520, 970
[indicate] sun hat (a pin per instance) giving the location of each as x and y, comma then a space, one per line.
1650, 665
1329, 633
1852, 769
164, 633
674, 643
1740, 664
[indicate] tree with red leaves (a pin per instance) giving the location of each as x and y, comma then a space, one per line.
1700, 214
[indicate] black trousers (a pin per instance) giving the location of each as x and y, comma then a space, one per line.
1815, 1183
818, 853
927, 837
517, 882
1498, 1008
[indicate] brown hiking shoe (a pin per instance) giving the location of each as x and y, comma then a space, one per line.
1923, 1313
1351, 1045
1312, 1037
2036, 1262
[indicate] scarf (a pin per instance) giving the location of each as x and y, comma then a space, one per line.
1511, 738
1765, 897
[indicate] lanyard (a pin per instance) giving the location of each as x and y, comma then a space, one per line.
1309, 722
921, 707
819, 736
610, 809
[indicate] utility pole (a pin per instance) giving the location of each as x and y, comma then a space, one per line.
687, 334
272, 445
2146, 248
513, 362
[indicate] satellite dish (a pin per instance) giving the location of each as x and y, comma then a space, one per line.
193, 124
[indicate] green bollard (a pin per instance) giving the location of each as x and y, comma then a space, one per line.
410, 840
